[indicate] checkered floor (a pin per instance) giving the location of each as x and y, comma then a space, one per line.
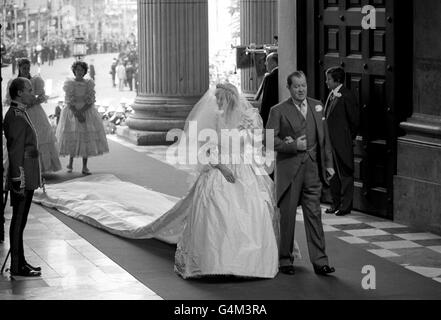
417, 251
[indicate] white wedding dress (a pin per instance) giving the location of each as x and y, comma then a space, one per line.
220, 228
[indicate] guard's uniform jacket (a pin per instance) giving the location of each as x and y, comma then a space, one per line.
22, 144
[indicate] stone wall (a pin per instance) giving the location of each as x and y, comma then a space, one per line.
418, 181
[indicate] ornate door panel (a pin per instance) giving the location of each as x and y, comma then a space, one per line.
367, 57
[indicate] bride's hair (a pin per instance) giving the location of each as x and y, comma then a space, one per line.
231, 98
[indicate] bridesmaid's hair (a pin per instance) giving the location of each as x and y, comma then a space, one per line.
23, 61
337, 73
82, 64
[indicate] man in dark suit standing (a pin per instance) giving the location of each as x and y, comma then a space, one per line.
92, 70
342, 117
24, 174
304, 162
270, 87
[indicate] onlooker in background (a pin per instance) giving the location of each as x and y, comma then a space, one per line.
14, 61
130, 70
121, 74
270, 95
113, 71
51, 55
136, 76
342, 117
58, 109
92, 70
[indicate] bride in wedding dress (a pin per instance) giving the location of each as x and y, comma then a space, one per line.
228, 222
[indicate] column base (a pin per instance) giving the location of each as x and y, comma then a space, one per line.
143, 138
417, 185
154, 117
417, 204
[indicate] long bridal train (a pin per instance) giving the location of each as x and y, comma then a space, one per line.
244, 244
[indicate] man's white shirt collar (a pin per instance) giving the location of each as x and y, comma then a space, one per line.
299, 105
337, 90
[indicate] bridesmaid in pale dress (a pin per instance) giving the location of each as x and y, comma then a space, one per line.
80, 131
47, 144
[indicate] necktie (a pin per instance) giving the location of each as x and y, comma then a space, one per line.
304, 109
328, 105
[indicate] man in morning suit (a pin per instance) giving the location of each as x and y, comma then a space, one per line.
303, 163
342, 117
270, 96
24, 171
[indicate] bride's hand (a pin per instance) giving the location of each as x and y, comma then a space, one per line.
227, 173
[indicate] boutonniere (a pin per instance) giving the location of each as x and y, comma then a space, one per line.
318, 108
337, 95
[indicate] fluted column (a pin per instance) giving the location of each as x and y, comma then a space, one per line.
287, 43
173, 66
258, 24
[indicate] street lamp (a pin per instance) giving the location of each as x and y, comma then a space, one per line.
15, 23
79, 47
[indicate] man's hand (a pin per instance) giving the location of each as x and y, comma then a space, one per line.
18, 190
330, 172
288, 140
302, 143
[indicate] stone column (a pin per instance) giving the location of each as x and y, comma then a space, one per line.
258, 24
173, 66
418, 181
287, 43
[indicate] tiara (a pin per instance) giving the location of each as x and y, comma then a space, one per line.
227, 88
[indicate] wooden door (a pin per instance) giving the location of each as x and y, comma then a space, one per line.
368, 58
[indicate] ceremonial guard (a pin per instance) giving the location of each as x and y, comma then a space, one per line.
24, 174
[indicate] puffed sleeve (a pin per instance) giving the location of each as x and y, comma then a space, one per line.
90, 99
68, 88
38, 86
